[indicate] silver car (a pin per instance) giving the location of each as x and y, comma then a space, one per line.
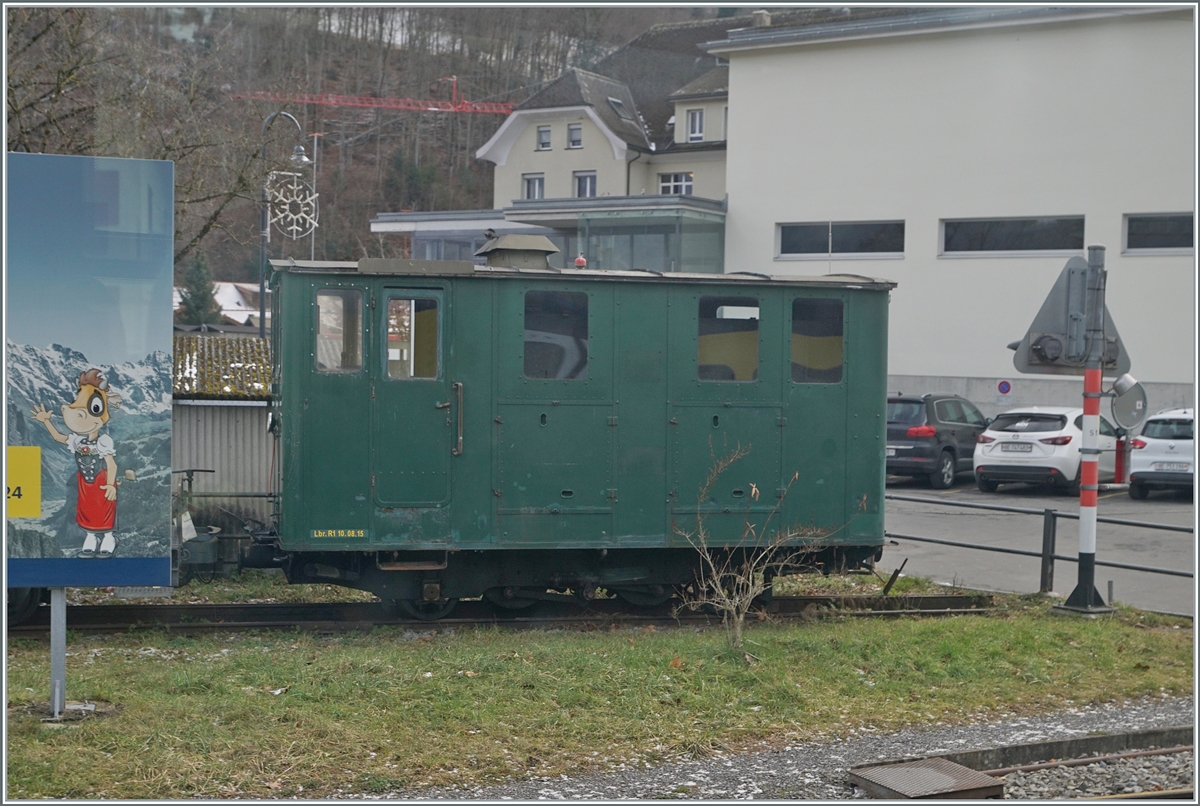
1162, 456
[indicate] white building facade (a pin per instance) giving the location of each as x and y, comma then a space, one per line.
967, 154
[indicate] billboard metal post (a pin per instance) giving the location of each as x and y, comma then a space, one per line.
58, 651
1085, 598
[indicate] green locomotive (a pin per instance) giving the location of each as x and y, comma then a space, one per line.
446, 430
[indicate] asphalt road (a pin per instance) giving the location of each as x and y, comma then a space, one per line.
986, 570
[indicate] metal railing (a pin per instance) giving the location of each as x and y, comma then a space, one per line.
1049, 537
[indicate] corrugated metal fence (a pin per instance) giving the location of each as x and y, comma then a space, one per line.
231, 439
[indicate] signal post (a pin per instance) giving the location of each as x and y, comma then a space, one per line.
1074, 335
1085, 598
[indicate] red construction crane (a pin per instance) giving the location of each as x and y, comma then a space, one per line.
456, 104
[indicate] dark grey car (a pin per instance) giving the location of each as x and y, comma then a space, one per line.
932, 436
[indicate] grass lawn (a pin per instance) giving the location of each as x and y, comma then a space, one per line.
279, 714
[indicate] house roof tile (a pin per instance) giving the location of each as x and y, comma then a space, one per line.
667, 56
578, 87
221, 368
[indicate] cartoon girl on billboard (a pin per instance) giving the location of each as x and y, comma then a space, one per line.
95, 458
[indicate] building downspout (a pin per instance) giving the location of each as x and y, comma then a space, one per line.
629, 163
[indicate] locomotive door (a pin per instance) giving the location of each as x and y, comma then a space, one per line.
724, 394
414, 413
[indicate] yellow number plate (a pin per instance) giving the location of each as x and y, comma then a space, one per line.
339, 533
23, 484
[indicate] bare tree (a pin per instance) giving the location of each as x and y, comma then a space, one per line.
54, 56
733, 576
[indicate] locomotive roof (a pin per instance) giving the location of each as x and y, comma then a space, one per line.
446, 268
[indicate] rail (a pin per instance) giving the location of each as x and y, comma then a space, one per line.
1049, 537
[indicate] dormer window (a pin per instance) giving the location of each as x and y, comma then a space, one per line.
574, 135
543, 138
620, 109
695, 129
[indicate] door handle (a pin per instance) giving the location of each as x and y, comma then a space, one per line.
445, 405
458, 392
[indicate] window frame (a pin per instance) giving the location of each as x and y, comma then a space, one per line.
791, 332
731, 297
576, 176
537, 143
362, 330
829, 254
576, 128
526, 179
953, 255
695, 134
622, 111
587, 324
687, 184
1155, 250
412, 295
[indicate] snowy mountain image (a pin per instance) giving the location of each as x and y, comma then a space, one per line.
141, 432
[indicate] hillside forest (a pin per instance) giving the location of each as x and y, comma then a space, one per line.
159, 83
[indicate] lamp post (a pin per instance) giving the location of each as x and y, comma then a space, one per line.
313, 243
264, 236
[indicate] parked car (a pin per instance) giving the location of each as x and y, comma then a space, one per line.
1162, 455
1040, 445
932, 435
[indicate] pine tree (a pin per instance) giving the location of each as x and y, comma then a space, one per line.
197, 306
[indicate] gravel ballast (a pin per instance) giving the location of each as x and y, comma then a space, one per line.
817, 770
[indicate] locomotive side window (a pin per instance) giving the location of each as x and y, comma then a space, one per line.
728, 339
339, 330
556, 335
412, 338
817, 340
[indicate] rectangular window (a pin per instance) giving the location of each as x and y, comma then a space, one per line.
620, 108
725, 123
817, 341
1013, 235
825, 239
675, 184
339, 330
535, 186
695, 129
585, 184
728, 339
556, 335
412, 338
543, 138
574, 135
1152, 233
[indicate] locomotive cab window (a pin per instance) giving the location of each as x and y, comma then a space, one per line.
817, 340
728, 339
412, 338
338, 345
556, 335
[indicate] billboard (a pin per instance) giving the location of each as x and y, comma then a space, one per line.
88, 270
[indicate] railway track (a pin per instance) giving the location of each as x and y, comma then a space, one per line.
361, 616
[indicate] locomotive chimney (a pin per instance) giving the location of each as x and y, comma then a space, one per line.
518, 251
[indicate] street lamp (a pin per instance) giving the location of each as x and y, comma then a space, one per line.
305, 209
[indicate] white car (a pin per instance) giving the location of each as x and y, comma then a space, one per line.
1039, 445
1162, 455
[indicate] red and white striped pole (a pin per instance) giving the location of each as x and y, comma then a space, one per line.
1085, 597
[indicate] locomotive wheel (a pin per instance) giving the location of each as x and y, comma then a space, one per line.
508, 598
645, 596
427, 611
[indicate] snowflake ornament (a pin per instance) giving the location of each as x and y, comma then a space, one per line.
292, 203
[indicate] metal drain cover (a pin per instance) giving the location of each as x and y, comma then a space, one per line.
926, 778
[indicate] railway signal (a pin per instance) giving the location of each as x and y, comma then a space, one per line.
1074, 335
